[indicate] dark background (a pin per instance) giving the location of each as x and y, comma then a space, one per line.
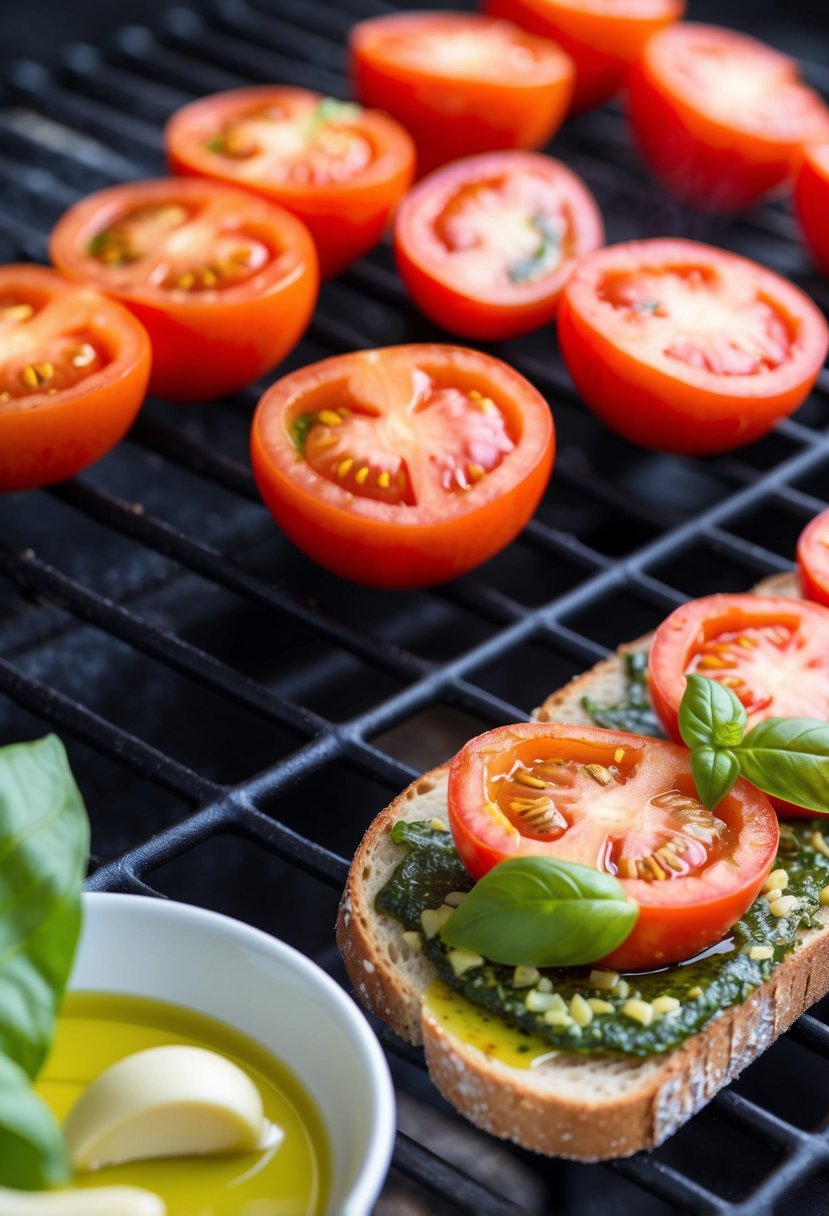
39, 28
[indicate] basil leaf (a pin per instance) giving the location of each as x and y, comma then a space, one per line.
44, 844
789, 758
710, 715
541, 912
32, 1156
715, 771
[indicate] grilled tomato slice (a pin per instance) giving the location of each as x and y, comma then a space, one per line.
602, 39
624, 805
339, 168
811, 200
485, 245
460, 82
223, 283
685, 348
813, 559
772, 652
73, 373
719, 117
402, 467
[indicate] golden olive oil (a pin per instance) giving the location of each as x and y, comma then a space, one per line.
486, 1031
96, 1029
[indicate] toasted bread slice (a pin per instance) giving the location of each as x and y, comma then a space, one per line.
583, 1107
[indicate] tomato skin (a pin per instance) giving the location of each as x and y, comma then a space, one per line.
454, 112
665, 404
345, 219
680, 636
373, 542
677, 918
721, 159
813, 559
466, 310
811, 200
55, 437
203, 347
602, 40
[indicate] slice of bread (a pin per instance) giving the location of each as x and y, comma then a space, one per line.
583, 1107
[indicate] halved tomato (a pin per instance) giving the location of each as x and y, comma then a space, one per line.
813, 559
772, 652
603, 39
685, 348
624, 805
73, 373
811, 200
402, 467
485, 244
224, 284
339, 168
719, 117
460, 82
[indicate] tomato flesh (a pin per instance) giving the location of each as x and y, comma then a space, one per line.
811, 199
402, 467
73, 373
461, 83
722, 326
224, 283
813, 559
773, 653
339, 168
485, 244
720, 117
626, 806
682, 347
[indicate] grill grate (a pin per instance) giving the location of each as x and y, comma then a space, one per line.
264, 723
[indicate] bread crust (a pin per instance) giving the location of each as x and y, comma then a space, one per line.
586, 1108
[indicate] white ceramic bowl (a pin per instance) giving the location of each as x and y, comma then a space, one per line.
221, 967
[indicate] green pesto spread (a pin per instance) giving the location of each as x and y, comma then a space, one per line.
717, 979
634, 712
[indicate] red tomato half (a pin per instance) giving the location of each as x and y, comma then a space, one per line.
813, 559
224, 284
339, 169
685, 348
461, 83
485, 244
73, 374
624, 805
811, 200
772, 652
719, 117
603, 39
402, 467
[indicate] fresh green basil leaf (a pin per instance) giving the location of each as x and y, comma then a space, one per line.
32, 1155
715, 771
541, 912
789, 758
710, 715
44, 845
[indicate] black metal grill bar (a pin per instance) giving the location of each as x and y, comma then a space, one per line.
666, 1183
96, 732
811, 1033
30, 574
803, 1162
756, 1120
747, 552
134, 522
424, 1166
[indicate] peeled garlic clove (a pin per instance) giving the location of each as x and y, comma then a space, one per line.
105, 1201
165, 1102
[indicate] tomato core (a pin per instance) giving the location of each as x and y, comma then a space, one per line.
34, 359
582, 807
403, 447
709, 325
166, 246
308, 143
